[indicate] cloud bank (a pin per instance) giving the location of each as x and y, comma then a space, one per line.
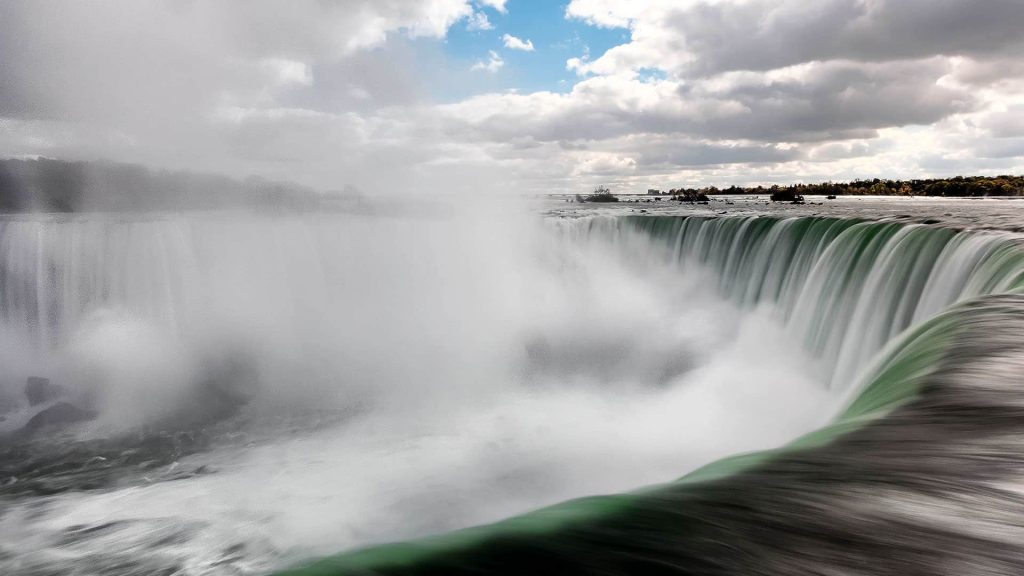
698, 92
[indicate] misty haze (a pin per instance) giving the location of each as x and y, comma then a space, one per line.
604, 287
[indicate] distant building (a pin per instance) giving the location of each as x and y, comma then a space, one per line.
653, 192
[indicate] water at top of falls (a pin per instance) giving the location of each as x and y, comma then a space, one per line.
974, 214
463, 381
844, 288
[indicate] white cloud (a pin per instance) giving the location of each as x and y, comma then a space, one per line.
492, 65
513, 43
624, 14
603, 164
285, 72
478, 21
498, 5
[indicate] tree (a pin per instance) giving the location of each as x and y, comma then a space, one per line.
601, 194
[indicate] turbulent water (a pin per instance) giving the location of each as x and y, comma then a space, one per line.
273, 388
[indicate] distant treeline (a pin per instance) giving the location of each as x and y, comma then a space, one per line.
961, 186
59, 186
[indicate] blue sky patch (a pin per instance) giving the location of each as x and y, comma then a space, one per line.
555, 40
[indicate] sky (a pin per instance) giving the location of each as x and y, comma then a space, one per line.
519, 96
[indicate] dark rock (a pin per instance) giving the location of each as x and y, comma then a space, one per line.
60, 414
8, 403
601, 194
692, 196
783, 195
831, 197
932, 221
39, 390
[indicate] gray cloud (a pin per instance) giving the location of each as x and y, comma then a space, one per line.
328, 93
1007, 148
209, 86
1008, 123
765, 35
671, 155
841, 150
830, 101
843, 100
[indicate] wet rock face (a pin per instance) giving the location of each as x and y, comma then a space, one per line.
8, 403
60, 414
40, 390
53, 409
52, 406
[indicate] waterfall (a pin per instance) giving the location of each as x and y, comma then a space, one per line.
474, 381
844, 287
931, 321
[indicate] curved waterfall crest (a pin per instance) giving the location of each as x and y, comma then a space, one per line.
844, 287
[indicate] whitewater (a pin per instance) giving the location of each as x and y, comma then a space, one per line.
699, 379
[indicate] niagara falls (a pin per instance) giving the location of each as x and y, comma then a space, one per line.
511, 287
